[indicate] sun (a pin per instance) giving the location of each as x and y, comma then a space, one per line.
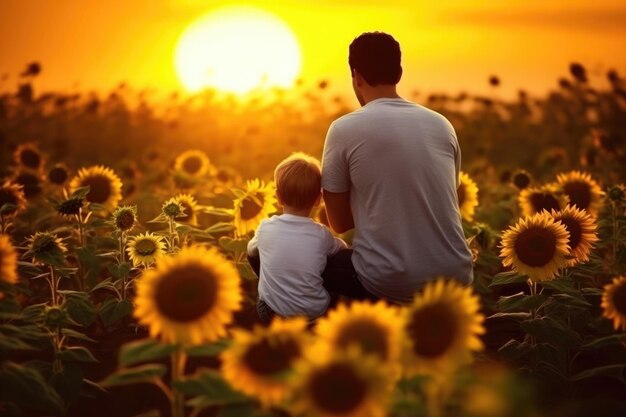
237, 49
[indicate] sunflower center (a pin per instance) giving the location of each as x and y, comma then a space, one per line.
544, 201
619, 299
57, 175
366, 334
579, 194
186, 294
461, 194
250, 208
521, 180
271, 357
30, 158
432, 330
99, 189
337, 389
574, 229
192, 164
535, 247
145, 247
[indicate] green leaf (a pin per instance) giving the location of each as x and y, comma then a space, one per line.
26, 387
246, 272
506, 278
34, 312
68, 382
91, 263
209, 389
547, 329
208, 350
513, 316
561, 285
140, 374
219, 212
13, 343
81, 309
119, 271
144, 350
113, 310
76, 335
8, 208
76, 354
611, 371
514, 350
233, 245
80, 192
520, 302
151, 413
607, 341
106, 284
220, 227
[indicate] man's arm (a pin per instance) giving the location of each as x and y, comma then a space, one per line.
338, 211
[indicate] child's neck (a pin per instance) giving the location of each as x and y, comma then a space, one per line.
297, 212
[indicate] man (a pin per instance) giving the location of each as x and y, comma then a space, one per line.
390, 170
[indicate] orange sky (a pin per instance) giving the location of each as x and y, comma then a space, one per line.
447, 45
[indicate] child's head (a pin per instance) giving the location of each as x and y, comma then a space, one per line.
298, 181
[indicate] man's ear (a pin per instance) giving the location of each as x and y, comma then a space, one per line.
358, 78
399, 75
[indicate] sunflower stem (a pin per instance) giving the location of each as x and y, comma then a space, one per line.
179, 360
81, 242
533, 311
53, 286
122, 244
615, 235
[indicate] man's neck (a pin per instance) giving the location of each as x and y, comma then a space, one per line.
297, 212
380, 91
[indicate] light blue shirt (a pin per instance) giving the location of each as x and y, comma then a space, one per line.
400, 162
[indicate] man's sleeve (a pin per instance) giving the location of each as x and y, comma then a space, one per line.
253, 244
457, 157
335, 170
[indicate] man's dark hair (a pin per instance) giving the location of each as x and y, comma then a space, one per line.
376, 56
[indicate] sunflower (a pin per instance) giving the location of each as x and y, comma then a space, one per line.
253, 205
537, 199
536, 246
345, 383
105, 187
468, 197
58, 174
442, 327
521, 179
12, 193
190, 297
144, 249
28, 156
190, 208
125, 218
193, 164
30, 182
46, 248
582, 232
582, 190
614, 302
8, 261
374, 328
260, 363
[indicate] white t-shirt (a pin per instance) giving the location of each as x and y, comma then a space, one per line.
400, 161
293, 251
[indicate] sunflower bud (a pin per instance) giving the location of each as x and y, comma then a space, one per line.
125, 217
616, 193
70, 207
55, 317
172, 209
521, 179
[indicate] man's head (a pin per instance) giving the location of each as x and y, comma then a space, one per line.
375, 59
298, 181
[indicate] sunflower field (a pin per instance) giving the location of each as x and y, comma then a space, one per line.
125, 289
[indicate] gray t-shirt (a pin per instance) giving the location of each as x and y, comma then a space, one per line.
401, 162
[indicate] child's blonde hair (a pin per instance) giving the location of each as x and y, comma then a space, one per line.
298, 181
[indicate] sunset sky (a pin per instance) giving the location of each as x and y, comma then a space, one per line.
447, 45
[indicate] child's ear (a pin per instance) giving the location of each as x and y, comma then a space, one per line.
319, 200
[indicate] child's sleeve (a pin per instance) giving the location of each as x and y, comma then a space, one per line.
335, 244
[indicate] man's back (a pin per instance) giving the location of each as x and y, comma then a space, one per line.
400, 162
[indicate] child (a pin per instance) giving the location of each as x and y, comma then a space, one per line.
292, 247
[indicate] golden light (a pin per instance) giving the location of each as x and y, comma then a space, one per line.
237, 49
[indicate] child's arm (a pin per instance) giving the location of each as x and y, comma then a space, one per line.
335, 244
